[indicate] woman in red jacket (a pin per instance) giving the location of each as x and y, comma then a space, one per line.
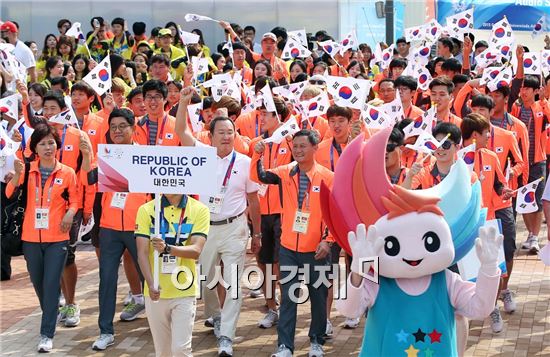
51, 205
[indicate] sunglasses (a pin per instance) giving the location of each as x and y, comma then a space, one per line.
446, 145
390, 147
320, 83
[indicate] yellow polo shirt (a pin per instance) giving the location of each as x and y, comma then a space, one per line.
196, 221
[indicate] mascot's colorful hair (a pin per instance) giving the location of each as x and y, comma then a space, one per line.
361, 192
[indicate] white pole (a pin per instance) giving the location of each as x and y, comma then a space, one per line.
158, 218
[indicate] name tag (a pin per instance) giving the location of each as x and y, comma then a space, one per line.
41, 218
119, 200
301, 222
215, 203
168, 263
262, 190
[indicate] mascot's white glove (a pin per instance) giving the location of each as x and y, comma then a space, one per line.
363, 245
487, 246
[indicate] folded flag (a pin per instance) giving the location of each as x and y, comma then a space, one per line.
195, 17
526, 201
8, 147
9, 106
468, 154
540, 27
422, 124
290, 127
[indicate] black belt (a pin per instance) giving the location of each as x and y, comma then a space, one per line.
226, 221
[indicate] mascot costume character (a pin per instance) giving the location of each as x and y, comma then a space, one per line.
417, 235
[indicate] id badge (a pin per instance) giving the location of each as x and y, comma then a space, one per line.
168, 264
41, 218
215, 204
262, 190
119, 200
301, 222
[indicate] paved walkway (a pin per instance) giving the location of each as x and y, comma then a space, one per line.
526, 332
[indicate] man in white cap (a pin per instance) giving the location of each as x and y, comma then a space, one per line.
269, 49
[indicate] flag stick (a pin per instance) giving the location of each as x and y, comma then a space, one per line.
156, 272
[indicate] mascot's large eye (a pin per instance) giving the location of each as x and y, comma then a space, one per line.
391, 246
431, 242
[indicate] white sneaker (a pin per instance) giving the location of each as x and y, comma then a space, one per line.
496, 320
225, 347
61, 300
508, 299
351, 323
534, 249
127, 299
45, 345
269, 319
209, 322
527, 243
316, 350
282, 351
72, 317
328, 330
105, 340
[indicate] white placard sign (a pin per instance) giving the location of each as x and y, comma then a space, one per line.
157, 169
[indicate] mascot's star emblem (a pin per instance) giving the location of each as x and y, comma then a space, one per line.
435, 336
402, 336
411, 351
419, 336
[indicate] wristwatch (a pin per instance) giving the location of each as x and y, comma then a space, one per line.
167, 249
257, 235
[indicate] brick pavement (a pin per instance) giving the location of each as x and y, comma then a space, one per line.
526, 332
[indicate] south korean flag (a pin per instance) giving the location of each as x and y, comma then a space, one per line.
294, 49
348, 92
99, 78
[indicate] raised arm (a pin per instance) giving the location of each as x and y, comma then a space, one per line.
181, 129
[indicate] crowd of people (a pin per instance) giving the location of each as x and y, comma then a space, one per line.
268, 192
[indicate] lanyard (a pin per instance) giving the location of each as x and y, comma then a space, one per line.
37, 189
21, 130
62, 143
257, 132
229, 170
492, 138
164, 222
332, 147
480, 167
160, 133
306, 195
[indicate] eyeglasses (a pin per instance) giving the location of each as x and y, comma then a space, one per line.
153, 97
390, 147
120, 127
320, 83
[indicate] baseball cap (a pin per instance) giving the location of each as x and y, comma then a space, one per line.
269, 36
165, 32
8, 26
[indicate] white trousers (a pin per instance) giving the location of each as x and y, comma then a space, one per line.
227, 243
171, 323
